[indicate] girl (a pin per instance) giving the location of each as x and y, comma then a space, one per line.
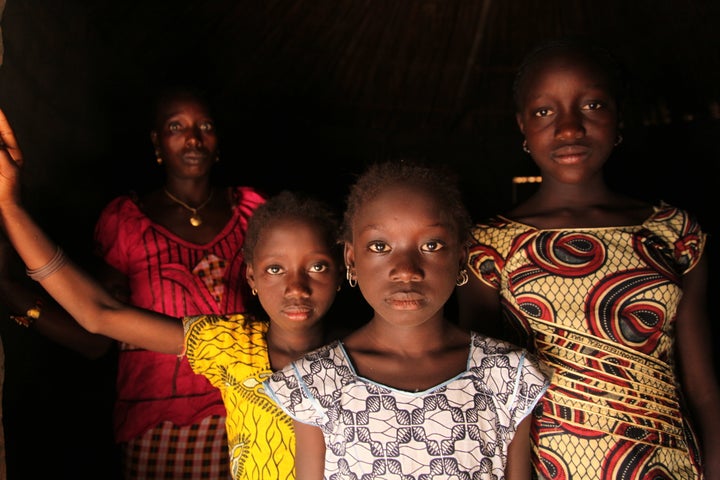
294, 268
410, 394
609, 290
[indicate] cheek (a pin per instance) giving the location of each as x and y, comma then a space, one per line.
210, 141
269, 297
172, 144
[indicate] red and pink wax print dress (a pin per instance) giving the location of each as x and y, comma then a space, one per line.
600, 305
170, 275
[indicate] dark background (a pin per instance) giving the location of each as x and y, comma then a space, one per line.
308, 92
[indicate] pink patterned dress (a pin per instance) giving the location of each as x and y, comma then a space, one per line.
170, 275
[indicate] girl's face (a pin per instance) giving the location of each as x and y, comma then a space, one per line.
568, 116
295, 273
185, 138
406, 253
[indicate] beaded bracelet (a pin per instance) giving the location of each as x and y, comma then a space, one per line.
56, 263
30, 316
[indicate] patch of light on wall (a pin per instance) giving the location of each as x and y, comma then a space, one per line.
522, 181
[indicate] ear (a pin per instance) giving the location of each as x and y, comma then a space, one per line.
349, 255
154, 138
250, 276
521, 125
464, 254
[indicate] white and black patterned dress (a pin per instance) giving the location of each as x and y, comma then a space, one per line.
459, 429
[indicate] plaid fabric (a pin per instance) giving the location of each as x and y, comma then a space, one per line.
211, 269
168, 451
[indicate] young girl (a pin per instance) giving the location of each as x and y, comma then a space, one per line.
611, 291
293, 266
410, 394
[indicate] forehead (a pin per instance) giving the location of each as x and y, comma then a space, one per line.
298, 227
565, 63
181, 104
400, 203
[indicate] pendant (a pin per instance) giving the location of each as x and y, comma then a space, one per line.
195, 220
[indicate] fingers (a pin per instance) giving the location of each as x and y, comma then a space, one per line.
8, 142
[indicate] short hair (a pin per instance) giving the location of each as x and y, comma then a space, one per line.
594, 54
296, 206
438, 181
172, 92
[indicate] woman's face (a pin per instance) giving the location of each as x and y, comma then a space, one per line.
185, 137
569, 117
295, 272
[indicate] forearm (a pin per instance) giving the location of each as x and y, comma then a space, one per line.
53, 322
68, 285
706, 414
83, 297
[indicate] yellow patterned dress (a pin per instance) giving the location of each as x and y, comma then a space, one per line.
233, 355
599, 305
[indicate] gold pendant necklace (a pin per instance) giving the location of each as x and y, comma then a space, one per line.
195, 219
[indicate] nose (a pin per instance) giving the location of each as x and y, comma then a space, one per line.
407, 269
297, 285
569, 125
194, 136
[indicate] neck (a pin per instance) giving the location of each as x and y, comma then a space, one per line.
414, 340
192, 196
285, 346
572, 195
294, 341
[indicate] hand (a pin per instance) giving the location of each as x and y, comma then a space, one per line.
11, 160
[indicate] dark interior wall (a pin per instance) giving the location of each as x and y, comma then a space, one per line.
77, 75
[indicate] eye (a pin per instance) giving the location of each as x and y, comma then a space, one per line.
319, 267
378, 247
432, 246
594, 105
207, 126
174, 126
274, 269
542, 112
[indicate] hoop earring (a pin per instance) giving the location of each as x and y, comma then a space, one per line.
352, 281
525, 147
254, 292
619, 139
462, 278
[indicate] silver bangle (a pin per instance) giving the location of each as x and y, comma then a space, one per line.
56, 263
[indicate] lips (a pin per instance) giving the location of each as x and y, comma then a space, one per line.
405, 296
195, 156
570, 154
405, 300
297, 312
